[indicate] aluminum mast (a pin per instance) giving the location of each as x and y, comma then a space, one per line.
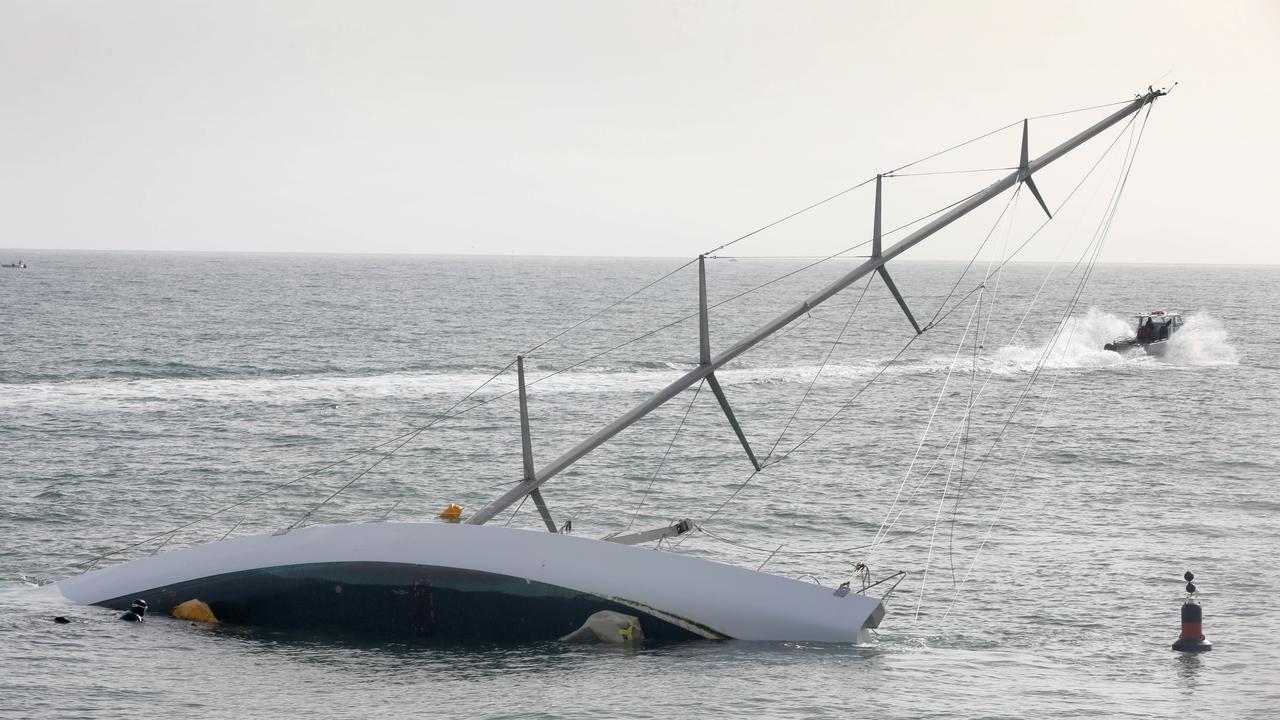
876, 262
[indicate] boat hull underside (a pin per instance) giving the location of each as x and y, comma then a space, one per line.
395, 600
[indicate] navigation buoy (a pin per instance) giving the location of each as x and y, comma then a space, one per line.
1192, 637
452, 513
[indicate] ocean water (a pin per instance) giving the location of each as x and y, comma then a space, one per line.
1042, 495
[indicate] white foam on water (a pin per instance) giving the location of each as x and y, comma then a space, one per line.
231, 390
1077, 344
1201, 342
339, 389
322, 388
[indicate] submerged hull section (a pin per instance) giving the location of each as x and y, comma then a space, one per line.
461, 582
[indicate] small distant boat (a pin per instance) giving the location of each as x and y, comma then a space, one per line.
16, 266
1152, 335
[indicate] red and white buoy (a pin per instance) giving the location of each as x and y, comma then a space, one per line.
1192, 637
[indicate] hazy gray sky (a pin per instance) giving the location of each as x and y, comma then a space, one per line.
606, 128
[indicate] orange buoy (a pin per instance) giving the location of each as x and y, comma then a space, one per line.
453, 513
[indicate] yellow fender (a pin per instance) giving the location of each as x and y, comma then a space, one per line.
194, 610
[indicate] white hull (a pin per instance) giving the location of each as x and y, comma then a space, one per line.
709, 599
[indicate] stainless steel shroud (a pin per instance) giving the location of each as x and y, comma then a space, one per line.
705, 369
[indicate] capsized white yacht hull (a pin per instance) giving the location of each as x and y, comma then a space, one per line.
473, 582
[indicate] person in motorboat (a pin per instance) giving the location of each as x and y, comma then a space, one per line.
1145, 334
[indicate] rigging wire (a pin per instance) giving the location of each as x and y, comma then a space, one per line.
1008, 484
999, 129
604, 310
950, 172
413, 434
705, 254
515, 512
1012, 198
830, 418
824, 551
979, 345
1100, 240
911, 466
920, 446
1083, 109
964, 299
685, 318
663, 461
954, 147
804, 440
941, 394
633, 340
761, 229
981, 391
733, 298
965, 429
938, 319
960, 434
1046, 222
690, 262
406, 437
820, 261
307, 515
690, 316
450, 413
825, 359
91, 561
393, 451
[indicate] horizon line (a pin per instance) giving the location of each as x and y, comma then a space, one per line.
355, 253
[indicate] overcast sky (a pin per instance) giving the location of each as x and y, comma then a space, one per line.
607, 128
